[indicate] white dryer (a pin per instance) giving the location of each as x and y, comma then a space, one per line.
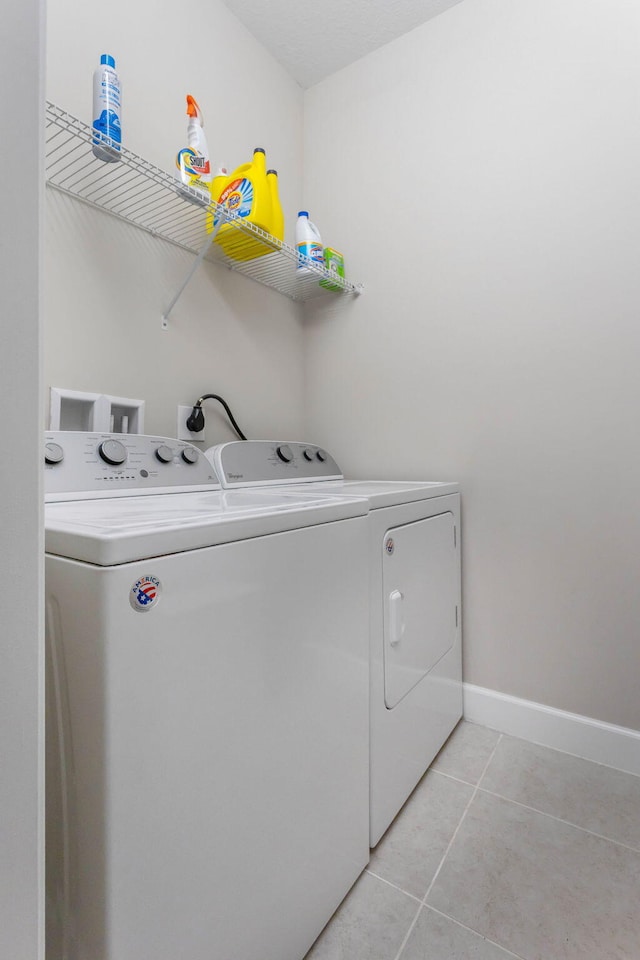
415, 605
207, 787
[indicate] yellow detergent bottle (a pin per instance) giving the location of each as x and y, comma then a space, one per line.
247, 195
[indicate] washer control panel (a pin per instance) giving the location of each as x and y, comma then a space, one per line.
81, 465
248, 463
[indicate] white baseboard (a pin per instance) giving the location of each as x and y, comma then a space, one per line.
606, 743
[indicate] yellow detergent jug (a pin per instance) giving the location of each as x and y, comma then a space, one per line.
248, 196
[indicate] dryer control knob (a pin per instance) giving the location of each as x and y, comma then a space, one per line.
164, 454
308, 454
189, 455
285, 453
321, 455
53, 453
113, 452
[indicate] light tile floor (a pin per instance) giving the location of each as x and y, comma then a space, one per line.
504, 850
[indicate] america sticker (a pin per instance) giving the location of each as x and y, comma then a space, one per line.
145, 593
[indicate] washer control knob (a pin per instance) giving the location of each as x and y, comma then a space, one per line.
285, 453
53, 453
189, 455
113, 452
321, 455
164, 454
307, 454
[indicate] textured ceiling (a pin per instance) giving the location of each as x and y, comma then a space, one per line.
314, 38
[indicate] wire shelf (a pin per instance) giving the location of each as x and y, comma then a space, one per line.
137, 192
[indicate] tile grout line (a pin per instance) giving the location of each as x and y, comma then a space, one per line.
393, 885
568, 753
450, 776
486, 766
444, 857
462, 818
551, 816
409, 932
464, 926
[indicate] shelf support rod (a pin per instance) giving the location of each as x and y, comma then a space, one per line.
201, 255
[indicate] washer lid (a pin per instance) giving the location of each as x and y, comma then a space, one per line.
120, 530
380, 493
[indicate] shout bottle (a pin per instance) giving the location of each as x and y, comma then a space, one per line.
192, 162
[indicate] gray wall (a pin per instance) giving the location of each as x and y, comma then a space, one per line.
107, 284
482, 178
21, 769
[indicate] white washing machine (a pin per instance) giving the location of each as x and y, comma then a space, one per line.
207, 768
415, 605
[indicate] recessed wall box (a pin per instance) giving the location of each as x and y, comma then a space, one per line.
77, 410
124, 415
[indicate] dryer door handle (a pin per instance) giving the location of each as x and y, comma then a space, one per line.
396, 619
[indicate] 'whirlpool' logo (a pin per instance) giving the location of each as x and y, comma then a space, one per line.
145, 593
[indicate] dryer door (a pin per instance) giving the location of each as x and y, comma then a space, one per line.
419, 583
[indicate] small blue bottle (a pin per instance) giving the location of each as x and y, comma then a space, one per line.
107, 142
